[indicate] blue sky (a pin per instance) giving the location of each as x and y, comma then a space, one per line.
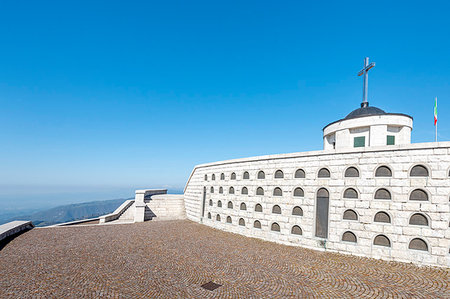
101, 97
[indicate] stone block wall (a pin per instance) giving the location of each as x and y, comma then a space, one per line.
165, 207
365, 235
140, 200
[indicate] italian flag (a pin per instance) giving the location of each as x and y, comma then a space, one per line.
435, 111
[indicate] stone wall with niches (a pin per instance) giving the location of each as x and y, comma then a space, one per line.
388, 202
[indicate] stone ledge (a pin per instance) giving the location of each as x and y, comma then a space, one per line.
116, 214
144, 191
75, 222
167, 196
13, 228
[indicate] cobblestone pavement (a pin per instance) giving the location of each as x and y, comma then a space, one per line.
172, 259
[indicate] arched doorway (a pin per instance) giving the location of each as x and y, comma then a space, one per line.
322, 205
204, 200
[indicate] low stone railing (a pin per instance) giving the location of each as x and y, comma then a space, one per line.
76, 222
119, 211
13, 228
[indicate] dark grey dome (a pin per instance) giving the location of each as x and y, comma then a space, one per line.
365, 111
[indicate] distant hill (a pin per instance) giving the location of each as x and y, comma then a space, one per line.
72, 212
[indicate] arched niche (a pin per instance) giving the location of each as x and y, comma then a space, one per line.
276, 209
350, 193
350, 215
275, 227
383, 193
296, 230
351, 172
257, 224
299, 174
382, 217
418, 219
382, 240
419, 171
348, 236
418, 195
298, 192
322, 207
277, 192
259, 191
418, 244
297, 211
383, 171
279, 174
323, 173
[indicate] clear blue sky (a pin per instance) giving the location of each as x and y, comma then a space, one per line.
101, 97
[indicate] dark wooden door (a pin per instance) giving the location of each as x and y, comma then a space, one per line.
204, 201
322, 205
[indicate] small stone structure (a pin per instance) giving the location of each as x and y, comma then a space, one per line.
142, 211
149, 204
166, 207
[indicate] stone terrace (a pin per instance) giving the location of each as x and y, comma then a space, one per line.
173, 258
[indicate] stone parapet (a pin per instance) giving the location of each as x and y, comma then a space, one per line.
166, 207
143, 196
14, 227
118, 212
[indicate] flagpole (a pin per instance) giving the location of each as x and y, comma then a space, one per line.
435, 139
435, 119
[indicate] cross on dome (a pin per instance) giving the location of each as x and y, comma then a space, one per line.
364, 72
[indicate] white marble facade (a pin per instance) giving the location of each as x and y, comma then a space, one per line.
375, 129
400, 159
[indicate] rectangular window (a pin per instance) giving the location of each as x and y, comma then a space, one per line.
359, 141
390, 140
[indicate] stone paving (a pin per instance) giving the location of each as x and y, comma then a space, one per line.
172, 259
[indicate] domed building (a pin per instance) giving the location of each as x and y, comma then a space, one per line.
369, 192
368, 127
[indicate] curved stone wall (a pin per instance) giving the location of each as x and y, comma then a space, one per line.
294, 209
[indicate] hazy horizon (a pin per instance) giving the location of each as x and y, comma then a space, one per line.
23, 199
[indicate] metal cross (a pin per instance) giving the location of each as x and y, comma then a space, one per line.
364, 72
